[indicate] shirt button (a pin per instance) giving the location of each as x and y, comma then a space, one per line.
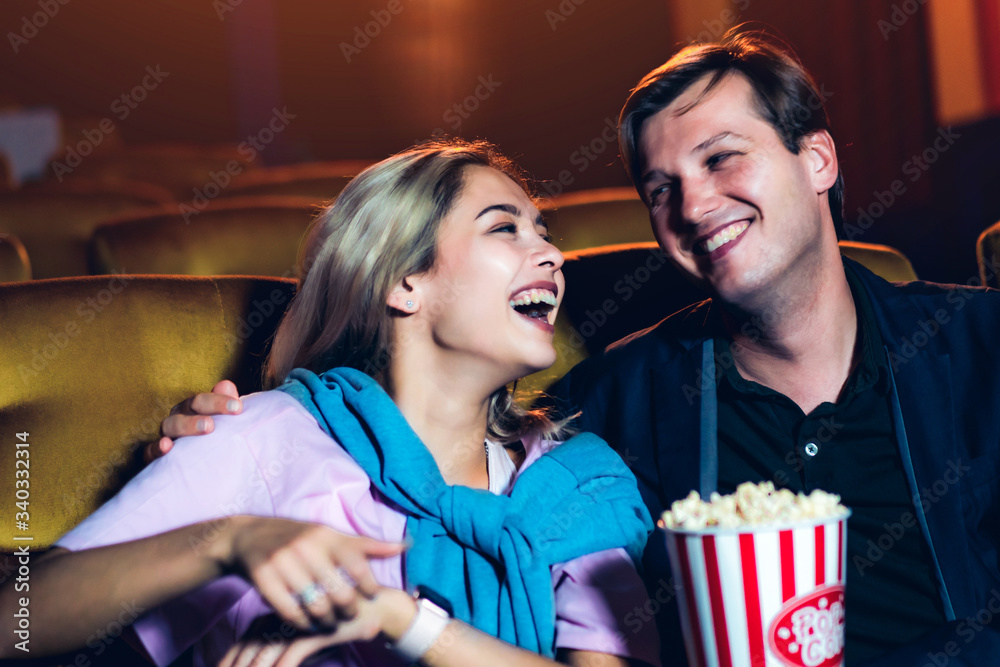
811, 449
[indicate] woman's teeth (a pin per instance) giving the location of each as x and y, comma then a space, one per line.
533, 296
725, 236
535, 303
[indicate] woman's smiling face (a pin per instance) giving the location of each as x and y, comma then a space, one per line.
496, 281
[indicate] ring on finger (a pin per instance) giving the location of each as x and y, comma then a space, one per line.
310, 594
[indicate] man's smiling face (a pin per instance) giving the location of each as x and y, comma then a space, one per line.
731, 206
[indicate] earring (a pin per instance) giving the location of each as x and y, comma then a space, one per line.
409, 304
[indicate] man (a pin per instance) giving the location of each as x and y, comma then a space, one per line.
804, 369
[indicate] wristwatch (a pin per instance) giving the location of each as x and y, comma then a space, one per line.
433, 615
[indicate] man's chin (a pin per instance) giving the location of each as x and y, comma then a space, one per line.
743, 295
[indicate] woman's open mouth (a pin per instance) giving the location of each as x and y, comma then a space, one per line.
535, 305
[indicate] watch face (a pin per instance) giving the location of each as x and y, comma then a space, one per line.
426, 593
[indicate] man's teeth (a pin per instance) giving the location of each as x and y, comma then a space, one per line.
725, 236
533, 296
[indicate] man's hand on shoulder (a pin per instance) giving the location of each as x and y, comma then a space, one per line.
194, 417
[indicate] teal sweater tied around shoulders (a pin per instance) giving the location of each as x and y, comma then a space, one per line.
488, 555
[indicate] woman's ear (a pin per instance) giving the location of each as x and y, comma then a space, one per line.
403, 297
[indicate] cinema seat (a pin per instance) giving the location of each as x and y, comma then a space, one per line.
91, 365
55, 220
246, 236
882, 260
14, 263
181, 168
988, 256
321, 181
595, 218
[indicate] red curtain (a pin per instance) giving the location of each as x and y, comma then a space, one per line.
989, 40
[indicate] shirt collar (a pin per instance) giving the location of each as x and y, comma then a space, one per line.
871, 371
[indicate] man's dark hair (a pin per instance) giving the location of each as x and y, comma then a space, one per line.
786, 95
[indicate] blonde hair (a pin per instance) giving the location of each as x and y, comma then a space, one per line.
382, 228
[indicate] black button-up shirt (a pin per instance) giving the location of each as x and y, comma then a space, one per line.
849, 448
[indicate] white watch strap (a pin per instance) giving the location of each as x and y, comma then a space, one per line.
427, 626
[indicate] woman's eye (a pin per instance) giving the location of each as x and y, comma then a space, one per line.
509, 227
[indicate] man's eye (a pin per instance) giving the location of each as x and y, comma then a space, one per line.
719, 158
658, 192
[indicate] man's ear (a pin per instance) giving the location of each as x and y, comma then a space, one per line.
822, 155
403, 297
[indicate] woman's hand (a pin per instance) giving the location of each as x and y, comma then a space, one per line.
388, 614
273, 642
312, 575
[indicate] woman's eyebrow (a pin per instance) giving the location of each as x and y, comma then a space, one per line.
506, 208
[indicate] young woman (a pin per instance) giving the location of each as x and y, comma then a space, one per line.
431, 286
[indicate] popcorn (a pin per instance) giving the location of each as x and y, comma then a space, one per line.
751, 505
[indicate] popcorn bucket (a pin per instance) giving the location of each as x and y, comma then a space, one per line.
762, 596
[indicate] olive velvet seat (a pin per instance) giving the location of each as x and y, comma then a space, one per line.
595, 218
15, 266
320, 181
184, 169
55, 220
91, 365
241, 236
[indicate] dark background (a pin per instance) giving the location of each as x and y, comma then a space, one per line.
563, 68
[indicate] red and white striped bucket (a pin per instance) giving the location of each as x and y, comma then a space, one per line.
762, 596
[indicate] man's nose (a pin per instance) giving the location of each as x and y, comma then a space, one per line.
699, 198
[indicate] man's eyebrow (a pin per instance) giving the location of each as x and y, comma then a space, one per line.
506, 208
716, 139
708, 143
650, 175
